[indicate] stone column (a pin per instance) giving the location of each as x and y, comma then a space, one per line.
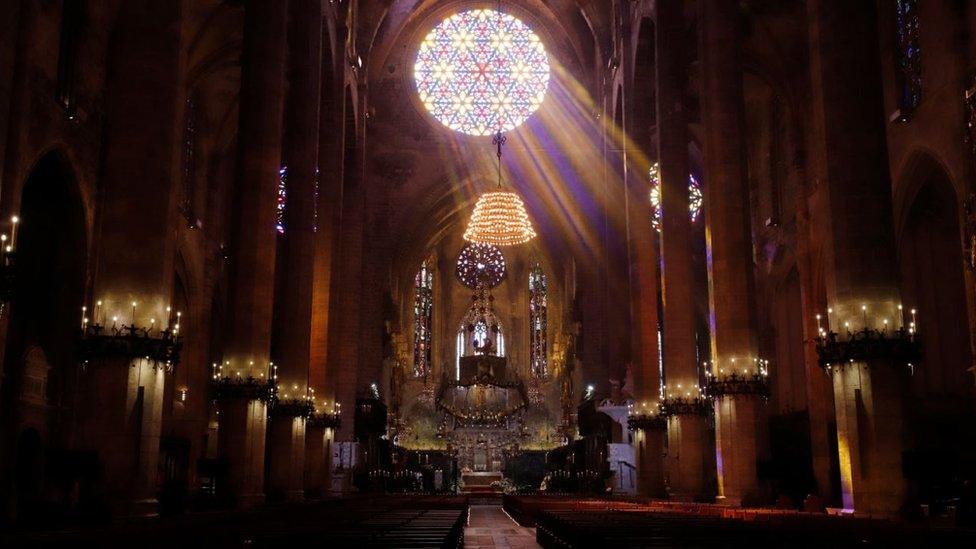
686, 424
345, 332
294, 302
318, 449
861, 275
120, 404
243, 416
648, 436
733, 331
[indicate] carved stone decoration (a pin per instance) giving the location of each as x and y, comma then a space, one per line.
36, 367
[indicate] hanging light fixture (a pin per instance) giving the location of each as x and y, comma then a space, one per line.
499, 217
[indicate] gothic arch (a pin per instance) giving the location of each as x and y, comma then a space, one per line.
45, 307
930, 252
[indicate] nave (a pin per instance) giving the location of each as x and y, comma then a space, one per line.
391, 271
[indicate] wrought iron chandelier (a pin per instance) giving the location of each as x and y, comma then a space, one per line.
499, 217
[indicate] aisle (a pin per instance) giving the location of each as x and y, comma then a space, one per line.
489, 526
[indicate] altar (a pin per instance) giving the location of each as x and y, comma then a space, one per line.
478, 479
482, 482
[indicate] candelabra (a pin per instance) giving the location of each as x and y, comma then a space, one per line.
747, 381
96, 343
244, 387
685, 406
327, 419
866, 345
647, 422
8, 264
292, 407
644, 418
898, 346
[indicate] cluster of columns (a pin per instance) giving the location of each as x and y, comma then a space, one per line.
861, 275
275, 131
848, 145
123, 402
729, 241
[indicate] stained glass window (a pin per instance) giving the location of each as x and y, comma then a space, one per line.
459, 352
482, 71
909, 55
189, 162
480, 337
423, 306
695, 198
538, 307
480, 263
281, 200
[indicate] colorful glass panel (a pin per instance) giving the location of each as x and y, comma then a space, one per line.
423, 306
282, 199
909, 55
538, 321
482, 71
695, 197
480, 263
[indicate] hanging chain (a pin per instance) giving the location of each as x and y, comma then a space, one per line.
499, 138
498, 141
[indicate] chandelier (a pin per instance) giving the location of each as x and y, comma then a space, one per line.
499, 217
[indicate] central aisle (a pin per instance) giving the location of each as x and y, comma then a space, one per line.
489, 526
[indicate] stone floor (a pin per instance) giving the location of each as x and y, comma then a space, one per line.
489, 526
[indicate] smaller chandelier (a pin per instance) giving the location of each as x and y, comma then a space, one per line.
499, 217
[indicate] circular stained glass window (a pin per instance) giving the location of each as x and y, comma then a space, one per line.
480, 262
482, 71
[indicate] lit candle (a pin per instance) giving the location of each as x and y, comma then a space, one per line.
97, 305
133, 313
864, 313
914, 320
13, 232
83, 309
819, 326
